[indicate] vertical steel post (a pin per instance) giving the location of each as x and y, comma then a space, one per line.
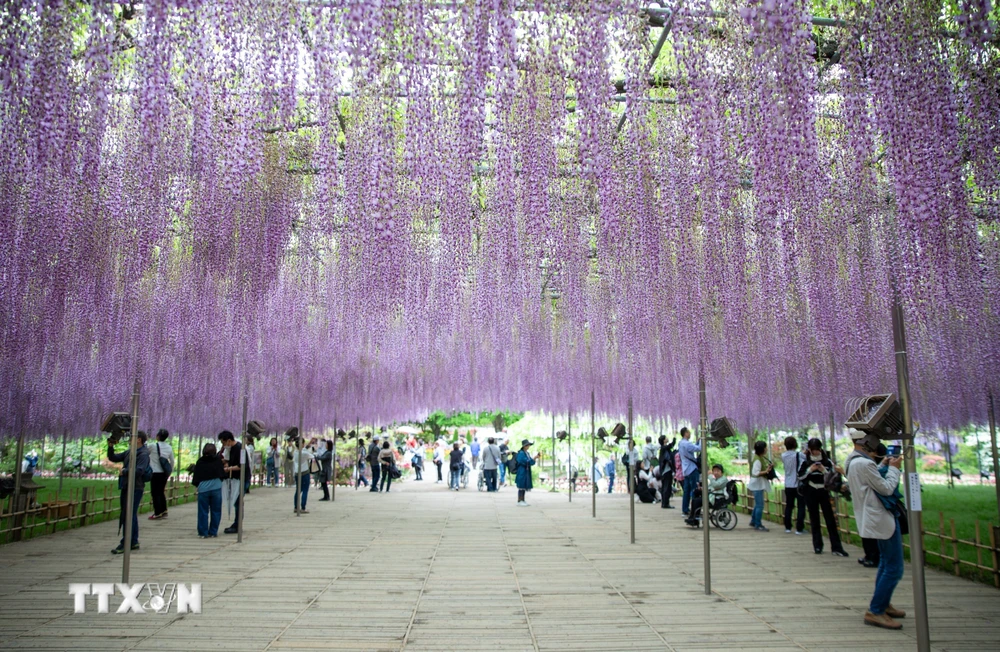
553, 487
62, 460
947, 455
81, 457
630, 469
706, 524
357, 451
333, 480
244, 462
18, 461
912, 480
593, 460
298, 468
180, 455
833, 439
130, 505
993, 445
569, 445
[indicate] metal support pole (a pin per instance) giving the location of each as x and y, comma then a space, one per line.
833, 440
553, 487
333, 479
81, 457
705, 522
130, 485
993, 445
912, 482
947, 456
630, 469
593, 460
298, 469
357, 462
244, 461
19, 459
62, 461
569, 442
180, 455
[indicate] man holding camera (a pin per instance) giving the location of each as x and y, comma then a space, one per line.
870, 488
144, 472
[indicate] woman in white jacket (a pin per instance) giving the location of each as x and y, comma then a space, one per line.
876, 522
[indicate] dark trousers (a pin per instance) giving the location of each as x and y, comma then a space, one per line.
439, 465
793, 500
136, 501
156, 491
375, 476
236, 513
490, 476
816, 500
326, 490
386, 477
690, 483
419, 470
667, 489
362, 480
611, 483
871, 550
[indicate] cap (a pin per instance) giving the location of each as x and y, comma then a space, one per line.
375, 438
857, 434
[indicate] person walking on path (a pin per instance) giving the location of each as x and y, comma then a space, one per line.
759, 484
142, 468
207, 477
688, 452
325, 457
609, 471
650, 452
301, 464
522, 478
454, 466
251, 462
439, 460
871, 492
666, 461
271, 460
417, 461
288, 463
630, 459
232, 459
386, 460
360, 464
504, 455
373, 452
475, 449
162, 461
811, 474
792, 459
491, 462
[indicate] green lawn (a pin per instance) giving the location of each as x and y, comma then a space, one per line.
72, 491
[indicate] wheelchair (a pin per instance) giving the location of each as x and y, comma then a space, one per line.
719, 514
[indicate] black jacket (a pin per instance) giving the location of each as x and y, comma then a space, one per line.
807, 478
235, 455
373, 450
208, 467
667, 458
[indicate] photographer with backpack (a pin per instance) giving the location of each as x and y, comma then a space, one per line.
143, 474
812, 474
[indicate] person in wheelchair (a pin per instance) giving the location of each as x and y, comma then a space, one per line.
717, 494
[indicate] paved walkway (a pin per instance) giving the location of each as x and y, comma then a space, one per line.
423, 568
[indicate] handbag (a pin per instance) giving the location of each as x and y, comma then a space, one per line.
164, 464
315, 466
394, 472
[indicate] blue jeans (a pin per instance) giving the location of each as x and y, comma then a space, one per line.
209, 502
890, 571
272, 473
757, 515
611, 482
375, 477
690, 484
503, 473
456, 475
490, 475
305, 491
136, 500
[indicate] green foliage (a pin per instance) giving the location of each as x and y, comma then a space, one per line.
438, 422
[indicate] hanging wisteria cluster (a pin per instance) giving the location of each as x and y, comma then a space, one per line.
368, 209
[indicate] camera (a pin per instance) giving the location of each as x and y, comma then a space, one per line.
118, 425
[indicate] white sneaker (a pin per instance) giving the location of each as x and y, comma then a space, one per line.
526, 504
522, 504
800, 532
788, 531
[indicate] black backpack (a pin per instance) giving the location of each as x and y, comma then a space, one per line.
511, 464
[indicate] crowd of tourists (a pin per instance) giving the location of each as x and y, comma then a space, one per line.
811, 482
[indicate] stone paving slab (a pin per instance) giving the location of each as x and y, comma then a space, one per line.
422, 568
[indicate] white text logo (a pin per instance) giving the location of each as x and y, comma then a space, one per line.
156, 598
